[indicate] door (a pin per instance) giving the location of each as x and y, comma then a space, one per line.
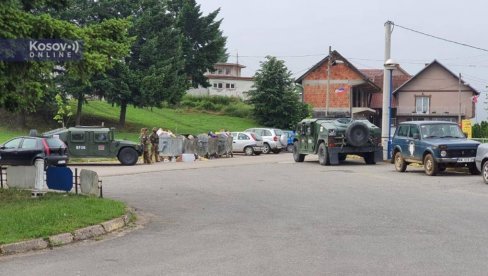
401, 140
101, 144
77, 143
416, 147
28, 150
10, 151
242, 141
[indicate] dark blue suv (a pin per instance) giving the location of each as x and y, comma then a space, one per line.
435, 144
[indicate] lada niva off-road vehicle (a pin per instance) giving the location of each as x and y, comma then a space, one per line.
434, 144
97, 142
333, 139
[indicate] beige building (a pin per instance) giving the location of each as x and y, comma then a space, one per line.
434, 94
226, 80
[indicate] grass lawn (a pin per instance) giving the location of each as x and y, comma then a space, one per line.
178, 120
23, 217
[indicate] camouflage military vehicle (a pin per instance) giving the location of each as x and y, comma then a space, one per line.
333, 139
96, 142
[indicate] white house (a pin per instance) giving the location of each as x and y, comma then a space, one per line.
226, 80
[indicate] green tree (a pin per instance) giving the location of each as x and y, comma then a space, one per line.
275, 99
203, 41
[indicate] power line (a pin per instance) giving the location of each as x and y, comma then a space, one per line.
440, 38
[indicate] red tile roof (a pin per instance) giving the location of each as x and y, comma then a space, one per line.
376, 76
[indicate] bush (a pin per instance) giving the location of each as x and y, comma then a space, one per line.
231, 106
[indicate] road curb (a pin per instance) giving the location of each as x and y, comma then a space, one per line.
67, 238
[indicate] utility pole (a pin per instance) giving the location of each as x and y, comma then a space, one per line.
385, 117
459, 99
329, 62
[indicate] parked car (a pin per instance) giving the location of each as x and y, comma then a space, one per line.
434, 144
290, 134
274, 140
247, 142
332, 139
96, 142
480, 161
25, 150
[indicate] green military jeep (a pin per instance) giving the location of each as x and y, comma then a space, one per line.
96, 142
333, 139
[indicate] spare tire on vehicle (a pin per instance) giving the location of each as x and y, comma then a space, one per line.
357, 134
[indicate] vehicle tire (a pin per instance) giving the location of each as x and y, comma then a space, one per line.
296, 155
430, 165
400, 164
323, 155
369, 158
248, 151
485, 172
357, 134
128, 156
342, 157
289, 148
473, 170
266, 148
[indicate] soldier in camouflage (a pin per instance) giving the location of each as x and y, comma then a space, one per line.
144, 139
154, 138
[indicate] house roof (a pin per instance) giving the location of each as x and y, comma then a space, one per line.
230, 64
376, 75
429, 66
338, 56
228, 77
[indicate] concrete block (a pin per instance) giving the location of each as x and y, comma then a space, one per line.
89, 182
22, 177
114, 224
88, 232
60, 239
24, 246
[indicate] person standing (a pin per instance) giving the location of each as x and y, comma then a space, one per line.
144, 140
154, 138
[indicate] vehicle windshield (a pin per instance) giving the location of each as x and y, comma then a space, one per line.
441, 131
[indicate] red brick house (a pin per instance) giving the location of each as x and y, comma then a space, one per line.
349, 87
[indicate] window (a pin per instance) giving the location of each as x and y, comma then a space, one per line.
29, 143
215, 85
243, 136
12, 144
422, 105
101, 137
219, 85
55, 143
232, 86
78, 137
403, 131
227, 85
413, 130
227, 71
220, 71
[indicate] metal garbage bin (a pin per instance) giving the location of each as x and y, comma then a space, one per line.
202, 145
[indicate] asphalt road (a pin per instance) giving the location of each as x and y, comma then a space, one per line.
267, 215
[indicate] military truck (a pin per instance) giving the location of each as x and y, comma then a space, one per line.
96, 142
332, 139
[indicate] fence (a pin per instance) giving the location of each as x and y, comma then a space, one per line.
76, 181
202, 145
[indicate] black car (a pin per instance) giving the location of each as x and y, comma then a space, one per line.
25, 150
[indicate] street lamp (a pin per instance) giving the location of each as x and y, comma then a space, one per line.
390, 65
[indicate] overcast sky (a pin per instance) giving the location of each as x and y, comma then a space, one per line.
300, 33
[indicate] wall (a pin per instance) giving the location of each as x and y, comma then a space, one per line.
241, 86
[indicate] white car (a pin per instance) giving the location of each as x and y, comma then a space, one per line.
274, 139
247, 142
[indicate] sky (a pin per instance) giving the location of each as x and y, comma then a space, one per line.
300, 33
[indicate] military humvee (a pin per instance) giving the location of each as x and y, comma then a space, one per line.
93, 141
333, 139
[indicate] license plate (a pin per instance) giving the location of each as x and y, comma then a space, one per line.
62, 162
465, 159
